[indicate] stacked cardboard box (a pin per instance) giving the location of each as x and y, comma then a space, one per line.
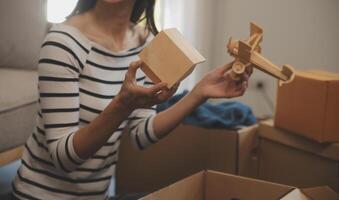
211, 185
185, 151
309, 106
287, 158
300, 147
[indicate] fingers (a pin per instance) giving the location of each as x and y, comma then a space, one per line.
225, 68
132, 70
241, 89
249, 70
246, 75
157, 88
165, 94
175, 87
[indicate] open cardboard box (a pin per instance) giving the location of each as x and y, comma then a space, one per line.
212, 185
287, 158
186, 150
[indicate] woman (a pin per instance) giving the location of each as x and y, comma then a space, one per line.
85, 101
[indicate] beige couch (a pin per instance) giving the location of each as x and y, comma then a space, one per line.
23, 26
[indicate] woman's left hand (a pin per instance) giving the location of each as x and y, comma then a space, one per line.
218, 83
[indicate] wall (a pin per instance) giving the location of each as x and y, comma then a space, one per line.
23, 26
192, 19
303, 33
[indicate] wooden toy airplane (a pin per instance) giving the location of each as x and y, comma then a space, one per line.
248, 52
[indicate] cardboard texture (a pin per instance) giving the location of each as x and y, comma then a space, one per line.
212, 185
290, 159
309, 106
185, 151
169, 58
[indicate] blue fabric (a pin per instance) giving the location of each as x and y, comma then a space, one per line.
221, 115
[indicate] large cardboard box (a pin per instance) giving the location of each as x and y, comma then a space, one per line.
289, 159
169, 58
309, 106
185, 151
211, 185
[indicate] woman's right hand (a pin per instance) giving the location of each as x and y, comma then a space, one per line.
134, 96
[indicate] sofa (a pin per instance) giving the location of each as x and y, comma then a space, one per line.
23, 27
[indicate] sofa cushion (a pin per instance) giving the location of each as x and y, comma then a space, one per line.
16, 126
17, 88
23, 28
18, 105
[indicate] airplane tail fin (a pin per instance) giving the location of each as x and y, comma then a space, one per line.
244, 51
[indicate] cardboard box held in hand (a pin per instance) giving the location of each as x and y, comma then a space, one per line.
169, 58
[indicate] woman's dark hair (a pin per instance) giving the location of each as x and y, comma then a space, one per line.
140, 7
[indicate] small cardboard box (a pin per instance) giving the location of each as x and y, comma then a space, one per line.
211, 185
185, 151
169, 58
290, 159
309, 106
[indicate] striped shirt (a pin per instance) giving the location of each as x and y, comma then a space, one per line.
78, 78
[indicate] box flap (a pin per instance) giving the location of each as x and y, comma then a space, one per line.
319, 75
321, 193
295, 194
226, 186
268, 131
191, 188
212, 185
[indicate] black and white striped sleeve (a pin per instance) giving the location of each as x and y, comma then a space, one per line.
141, 124
141, 128
58, 69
